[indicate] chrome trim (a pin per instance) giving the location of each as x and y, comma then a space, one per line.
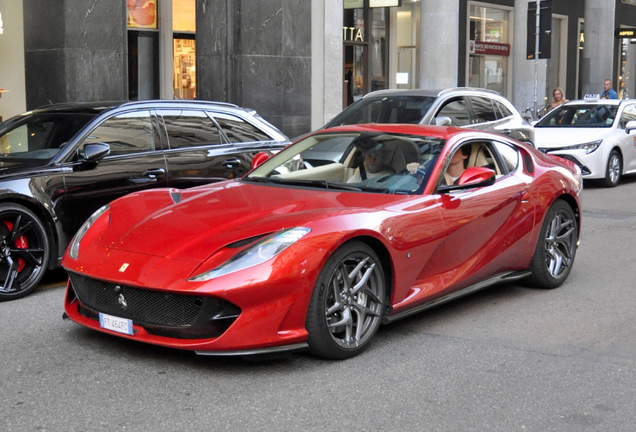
503, 277
270, 350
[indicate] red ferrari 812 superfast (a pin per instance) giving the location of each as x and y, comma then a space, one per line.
344, 230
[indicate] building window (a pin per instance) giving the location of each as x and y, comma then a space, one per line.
184, 49
489, 48
366, 44
408, 24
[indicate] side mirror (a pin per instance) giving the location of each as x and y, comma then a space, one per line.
94, 152
477, 176
443, 121
259, 158
630, 126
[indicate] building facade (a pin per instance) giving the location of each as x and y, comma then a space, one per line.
298, 62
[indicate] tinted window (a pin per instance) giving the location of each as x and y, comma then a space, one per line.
580, 116
629, 114
390, 109
189, 129
457, 110
238, 130
503, 110
509, 155
39, 136
483, 109
125, 133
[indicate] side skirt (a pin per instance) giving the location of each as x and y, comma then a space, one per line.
500, 278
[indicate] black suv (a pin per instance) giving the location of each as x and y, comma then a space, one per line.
60, 163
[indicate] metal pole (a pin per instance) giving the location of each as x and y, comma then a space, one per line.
536, 57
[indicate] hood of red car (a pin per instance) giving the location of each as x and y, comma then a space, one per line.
210, 218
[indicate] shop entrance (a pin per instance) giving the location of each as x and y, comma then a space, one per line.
184, 74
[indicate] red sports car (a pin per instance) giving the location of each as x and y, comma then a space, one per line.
317, 246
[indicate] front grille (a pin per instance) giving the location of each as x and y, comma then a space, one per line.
160, 313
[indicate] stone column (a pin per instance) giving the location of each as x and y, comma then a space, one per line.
523, 81
439, 38
74, 51
597, 61
326, 61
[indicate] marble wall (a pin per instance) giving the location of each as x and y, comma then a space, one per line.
74, 51
257, 54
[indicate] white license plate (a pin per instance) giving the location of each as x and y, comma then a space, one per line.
116, 324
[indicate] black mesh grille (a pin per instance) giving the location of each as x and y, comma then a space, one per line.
141, 305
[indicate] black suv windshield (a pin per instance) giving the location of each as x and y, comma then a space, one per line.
39, 135
580, 116
389, 109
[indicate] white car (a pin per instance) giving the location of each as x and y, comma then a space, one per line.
599, 135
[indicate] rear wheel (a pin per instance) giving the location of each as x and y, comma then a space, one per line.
24, 251
347, 303
554, 254
613, 170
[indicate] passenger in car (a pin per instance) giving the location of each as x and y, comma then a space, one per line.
455, 169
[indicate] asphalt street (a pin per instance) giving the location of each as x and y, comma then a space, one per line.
509, 358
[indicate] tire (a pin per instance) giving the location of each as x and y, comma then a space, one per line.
24, 251
347, 303
613, 170
556, 247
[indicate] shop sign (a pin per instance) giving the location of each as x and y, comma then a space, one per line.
352, 34
492, 48
353, 4
384, 3
622, 33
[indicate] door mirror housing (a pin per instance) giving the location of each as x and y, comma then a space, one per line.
259, 158
93, 152
443, 121
473, 177
630, 126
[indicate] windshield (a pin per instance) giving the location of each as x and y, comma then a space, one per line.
580, 116
364, 162
39, 135
389, 109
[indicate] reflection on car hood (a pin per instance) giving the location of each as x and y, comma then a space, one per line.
562, 137
209, 218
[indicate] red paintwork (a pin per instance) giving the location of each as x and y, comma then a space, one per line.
259, 158
475, 175
434, 244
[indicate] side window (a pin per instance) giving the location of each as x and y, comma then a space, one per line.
505, 112
125, 133
483, 109
238, 130
629, 114
187, 128
509, 156
457, 110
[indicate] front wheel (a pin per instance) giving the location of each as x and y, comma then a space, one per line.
24, 251
554, 254
613, 170
347, 303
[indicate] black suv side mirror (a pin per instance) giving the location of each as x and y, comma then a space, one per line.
93, 152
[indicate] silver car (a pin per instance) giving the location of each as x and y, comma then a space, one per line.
463, 107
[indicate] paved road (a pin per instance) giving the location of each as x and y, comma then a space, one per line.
505, 359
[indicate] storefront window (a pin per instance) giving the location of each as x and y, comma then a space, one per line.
627, 62
489, 48
185, 86
365, 39
184, 15
408, 24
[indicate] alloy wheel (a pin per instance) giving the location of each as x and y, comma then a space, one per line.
559, 243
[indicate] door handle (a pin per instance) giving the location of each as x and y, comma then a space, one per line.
231, 163
154, 173
525, 197
506, 131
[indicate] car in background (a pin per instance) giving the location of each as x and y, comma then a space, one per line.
292, 257
599, 135
60, 163
472, 108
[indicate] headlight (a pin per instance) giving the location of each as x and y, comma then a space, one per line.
262, 251
588, 147
73, 249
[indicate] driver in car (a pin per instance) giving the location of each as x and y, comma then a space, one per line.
373, 162
455, 169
